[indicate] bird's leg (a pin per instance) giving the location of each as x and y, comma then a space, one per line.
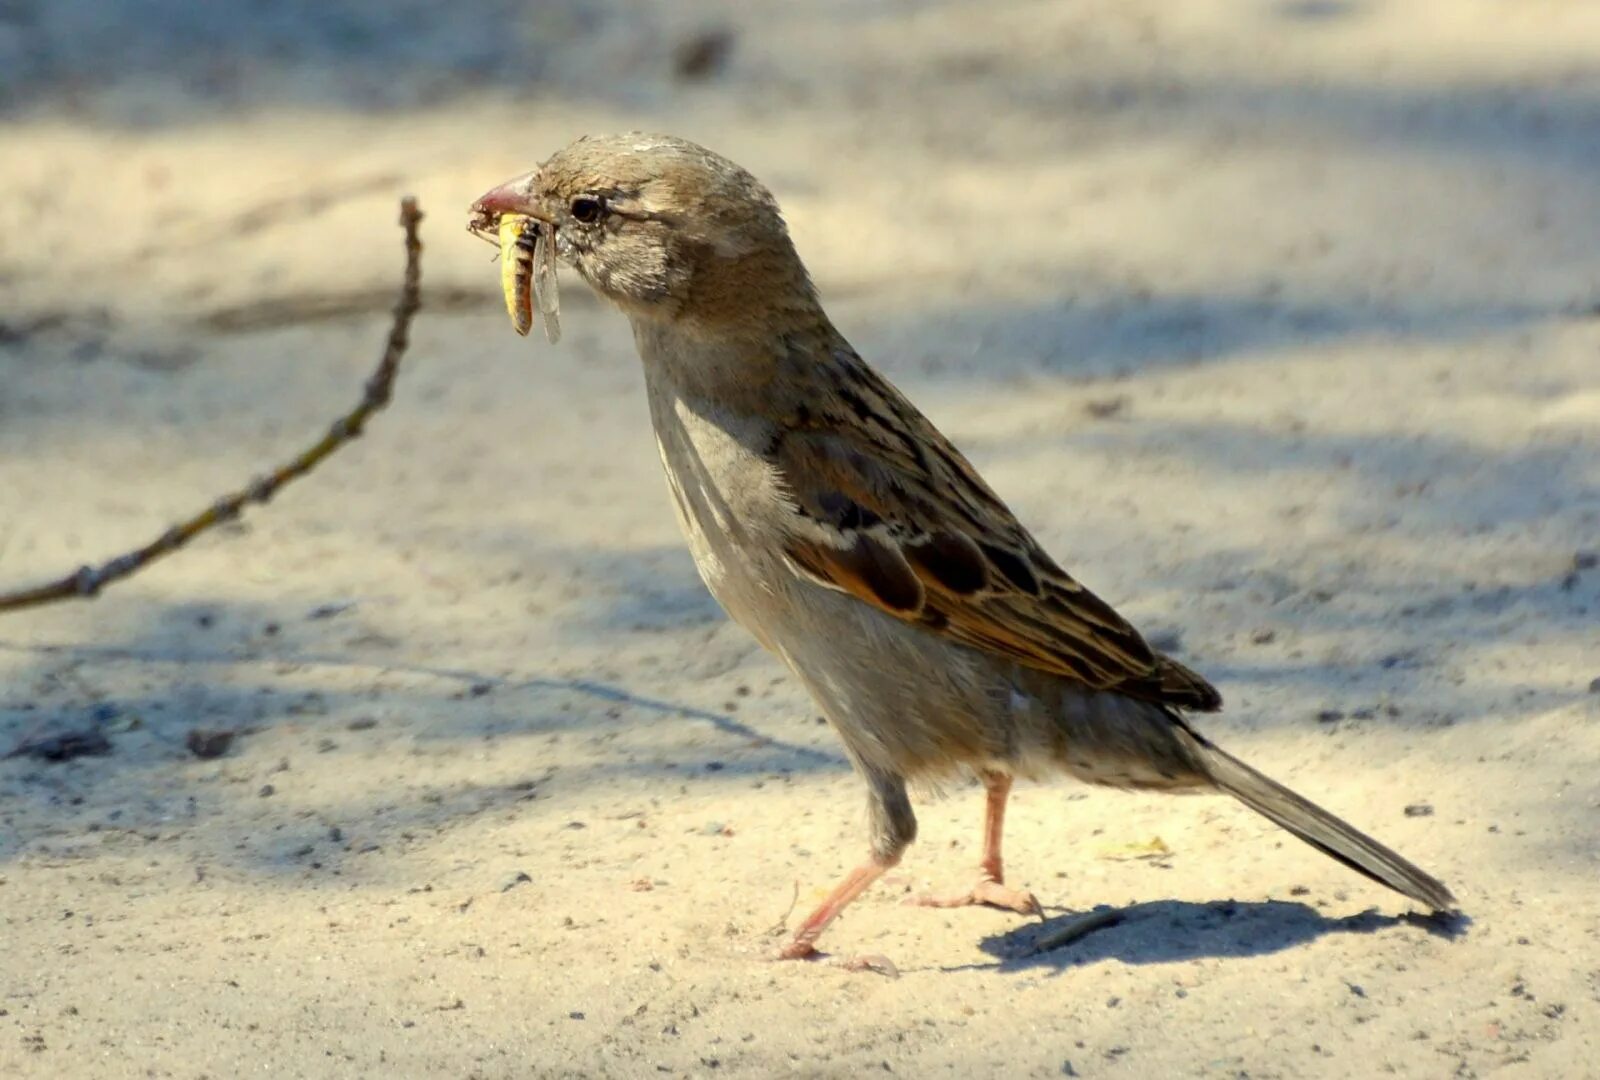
991, 888
803, 945
893, 826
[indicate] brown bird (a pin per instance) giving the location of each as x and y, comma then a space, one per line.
834, 522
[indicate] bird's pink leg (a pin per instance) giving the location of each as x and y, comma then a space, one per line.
803, 946
991, 888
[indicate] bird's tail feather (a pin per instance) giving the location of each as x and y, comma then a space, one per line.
1319, 828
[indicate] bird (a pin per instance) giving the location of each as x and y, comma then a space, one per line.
834, 522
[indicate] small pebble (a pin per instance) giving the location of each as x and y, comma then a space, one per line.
209, 742
1106, 408
702, 55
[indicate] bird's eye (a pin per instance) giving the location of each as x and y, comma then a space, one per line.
587, 209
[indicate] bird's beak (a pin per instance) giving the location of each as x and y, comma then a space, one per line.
512, 197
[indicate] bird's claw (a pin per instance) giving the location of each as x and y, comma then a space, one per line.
986, 893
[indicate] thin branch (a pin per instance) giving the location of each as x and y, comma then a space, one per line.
87, 581
781, 927
1079, 926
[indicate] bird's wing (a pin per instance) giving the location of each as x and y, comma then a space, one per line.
888, 511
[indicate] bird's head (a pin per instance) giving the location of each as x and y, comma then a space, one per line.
664, 228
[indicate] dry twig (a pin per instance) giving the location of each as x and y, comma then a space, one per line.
87, 581
1078, 926
781, 927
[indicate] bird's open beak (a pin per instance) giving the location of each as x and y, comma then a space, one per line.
512, 197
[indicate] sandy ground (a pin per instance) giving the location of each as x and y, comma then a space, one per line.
1277, 321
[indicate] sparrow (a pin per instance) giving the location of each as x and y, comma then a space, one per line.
837, 525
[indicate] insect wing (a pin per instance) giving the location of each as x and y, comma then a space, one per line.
545, 289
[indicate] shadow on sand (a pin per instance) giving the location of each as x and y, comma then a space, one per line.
1169, 931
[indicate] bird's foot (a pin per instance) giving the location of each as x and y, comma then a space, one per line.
797, 949
988, 893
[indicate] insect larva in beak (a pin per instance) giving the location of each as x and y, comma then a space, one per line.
518, 239
528, 274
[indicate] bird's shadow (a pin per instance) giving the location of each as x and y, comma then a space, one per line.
1166, 931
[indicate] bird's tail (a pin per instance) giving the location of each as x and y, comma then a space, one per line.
1317, 827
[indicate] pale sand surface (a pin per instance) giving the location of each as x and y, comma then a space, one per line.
1277, 321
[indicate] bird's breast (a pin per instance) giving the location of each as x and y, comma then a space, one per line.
729, 504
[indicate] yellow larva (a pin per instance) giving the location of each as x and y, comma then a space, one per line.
528, 274
518, 237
